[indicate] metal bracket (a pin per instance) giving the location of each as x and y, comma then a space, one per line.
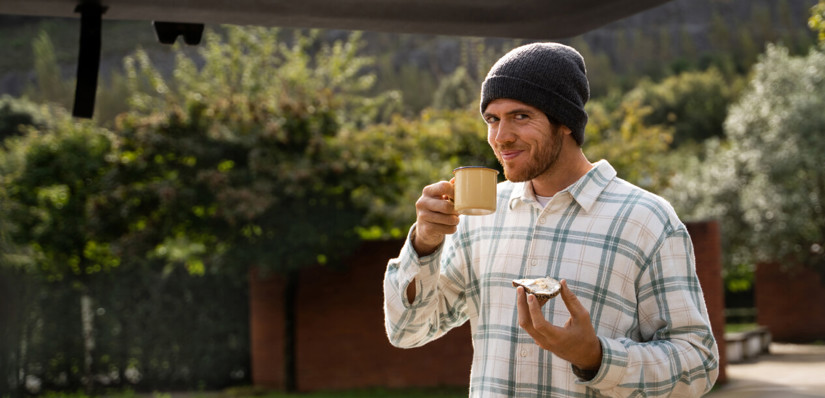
168, 32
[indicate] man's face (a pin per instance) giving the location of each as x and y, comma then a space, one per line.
524, 141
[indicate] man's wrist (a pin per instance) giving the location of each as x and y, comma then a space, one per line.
421, 251
592, 368
585, 375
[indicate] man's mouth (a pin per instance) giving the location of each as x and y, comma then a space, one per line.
509, 154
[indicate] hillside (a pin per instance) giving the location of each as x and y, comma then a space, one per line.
651, 43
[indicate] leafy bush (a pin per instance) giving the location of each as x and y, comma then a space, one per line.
633, 147
766, 183
694, 104
17, 114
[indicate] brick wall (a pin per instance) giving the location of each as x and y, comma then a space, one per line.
707, 247
790, 303
341, 343
340, 339
266, 328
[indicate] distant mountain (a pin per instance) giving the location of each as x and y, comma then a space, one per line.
637, 45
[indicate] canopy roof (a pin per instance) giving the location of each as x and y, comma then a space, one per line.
527, 19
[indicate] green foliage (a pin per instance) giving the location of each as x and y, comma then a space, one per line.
456, 91
766, 184
424, 150
694, 104
600, 70
17, 114
633, 147
817, 21
51, 86
50, 177
414, 85
777, 129
707, 187
250, 160
153, 329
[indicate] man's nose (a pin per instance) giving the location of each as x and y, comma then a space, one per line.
505, 133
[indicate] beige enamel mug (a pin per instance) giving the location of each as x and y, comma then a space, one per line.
475, 190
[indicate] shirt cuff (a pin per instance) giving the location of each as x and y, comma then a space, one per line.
425, 270
613, 367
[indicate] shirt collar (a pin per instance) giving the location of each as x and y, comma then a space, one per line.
584, 191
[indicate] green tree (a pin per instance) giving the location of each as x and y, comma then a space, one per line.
767, 184
762, 21
777, 128
747, 49
50, 176
456, 91
694, 104
600, 71
720, 32
51, 86
687, 44
707, 187
426, 149
17, 114
635, 148
250, 160
252, 150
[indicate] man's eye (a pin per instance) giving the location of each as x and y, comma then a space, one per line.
522, 116
490, 119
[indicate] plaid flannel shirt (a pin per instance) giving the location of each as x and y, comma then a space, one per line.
625, 255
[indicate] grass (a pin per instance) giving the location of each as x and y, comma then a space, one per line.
257, 392
739, 327
441, 392
377, 393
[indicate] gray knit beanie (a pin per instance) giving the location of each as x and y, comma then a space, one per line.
548, 76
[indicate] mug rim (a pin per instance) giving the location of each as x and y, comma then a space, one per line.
475, 167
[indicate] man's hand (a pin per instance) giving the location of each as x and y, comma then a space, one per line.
575, 342
435, 217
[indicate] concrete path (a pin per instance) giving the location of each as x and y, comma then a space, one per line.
788, 371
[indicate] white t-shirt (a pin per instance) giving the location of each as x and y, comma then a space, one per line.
543, 200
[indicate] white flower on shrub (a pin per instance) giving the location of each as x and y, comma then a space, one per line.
33, 384
132, 375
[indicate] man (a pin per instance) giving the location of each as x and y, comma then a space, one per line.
631, 319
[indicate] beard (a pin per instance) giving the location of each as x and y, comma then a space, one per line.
544, 159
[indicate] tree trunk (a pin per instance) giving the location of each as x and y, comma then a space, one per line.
87, 316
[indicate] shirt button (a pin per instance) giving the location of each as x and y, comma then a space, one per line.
534, 262
542, 220
524, 353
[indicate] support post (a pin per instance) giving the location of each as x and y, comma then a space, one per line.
88, 62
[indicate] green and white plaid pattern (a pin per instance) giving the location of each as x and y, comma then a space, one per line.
624, 253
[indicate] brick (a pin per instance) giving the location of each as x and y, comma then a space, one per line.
707, 247
790, 302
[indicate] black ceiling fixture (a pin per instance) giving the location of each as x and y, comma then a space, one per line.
88, 60
168, 32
